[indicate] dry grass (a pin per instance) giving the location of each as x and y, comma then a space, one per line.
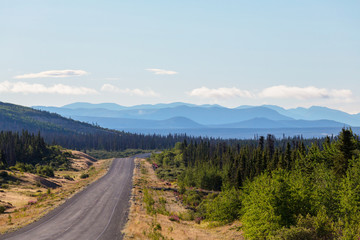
31, 199
158, 226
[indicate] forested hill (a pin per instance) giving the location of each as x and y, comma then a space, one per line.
16, 118
72, 134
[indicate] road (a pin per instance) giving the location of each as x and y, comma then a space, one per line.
97, 213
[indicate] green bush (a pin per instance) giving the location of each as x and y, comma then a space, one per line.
225, 207
189, 215
2, 209
311, 228
45, 171
4, 174
68, 177
295, 233
84, 175
269, 204
192, 198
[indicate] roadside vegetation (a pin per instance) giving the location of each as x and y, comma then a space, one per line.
277, 189
158, 212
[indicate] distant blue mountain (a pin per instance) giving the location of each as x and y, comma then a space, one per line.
184, 115
116, 107
126, 123
85, 105
252, 123
69, 112
318, 113
202, 115
170, 105
267, 123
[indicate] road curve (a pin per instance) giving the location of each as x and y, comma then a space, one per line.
97, 213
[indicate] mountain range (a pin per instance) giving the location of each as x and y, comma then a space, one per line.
180, 115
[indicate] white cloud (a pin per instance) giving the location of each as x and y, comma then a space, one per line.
161, 71
275, 92
205, 92
36, 88
303, 93
132, 92
53, 74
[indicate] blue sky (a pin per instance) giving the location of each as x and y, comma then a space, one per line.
288, 53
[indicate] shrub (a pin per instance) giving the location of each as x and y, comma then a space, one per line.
225, 207
198, 220
192, 198
295, 233
45, 171
84, 175
4, 174
2, 209
174, 218
68, 177
268, 205
31, 202
310, 228
187, 216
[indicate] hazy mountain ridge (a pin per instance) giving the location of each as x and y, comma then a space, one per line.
127, 123
184, 115
318, 113
266, 123
202, 115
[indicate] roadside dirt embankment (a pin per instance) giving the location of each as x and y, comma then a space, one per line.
27, 197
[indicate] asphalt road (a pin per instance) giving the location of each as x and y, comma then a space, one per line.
98, 212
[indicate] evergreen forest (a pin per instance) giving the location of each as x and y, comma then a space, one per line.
279, 189
28, 152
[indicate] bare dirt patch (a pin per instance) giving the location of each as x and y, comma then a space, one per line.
143, 225
30, 196
82, 161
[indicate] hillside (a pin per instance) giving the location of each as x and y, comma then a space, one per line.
16, 118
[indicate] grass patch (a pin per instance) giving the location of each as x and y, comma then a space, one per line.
149, 202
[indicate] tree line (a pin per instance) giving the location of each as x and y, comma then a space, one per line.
30, 153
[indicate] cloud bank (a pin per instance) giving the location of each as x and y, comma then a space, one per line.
161, 71
205, 92
36, 88
278, 92
53, 74
311, 92
131, 92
